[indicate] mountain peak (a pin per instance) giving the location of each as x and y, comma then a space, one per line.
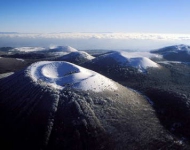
63, 74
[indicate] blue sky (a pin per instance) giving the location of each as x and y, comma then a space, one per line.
131, 16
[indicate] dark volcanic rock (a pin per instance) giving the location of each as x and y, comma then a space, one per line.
37, 116
173, 110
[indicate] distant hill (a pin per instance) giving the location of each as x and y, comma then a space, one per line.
38, 49
175, 53
35, 52
62, 49
77, 57
122, 64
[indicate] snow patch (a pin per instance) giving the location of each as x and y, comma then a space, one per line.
4, 75
29, 49
20, 59
80, 54
63, 74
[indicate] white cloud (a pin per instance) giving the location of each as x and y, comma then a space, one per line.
81, 41
119, 36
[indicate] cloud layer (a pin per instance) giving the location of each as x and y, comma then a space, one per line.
119, 36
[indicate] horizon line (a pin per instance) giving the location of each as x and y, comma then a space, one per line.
2, 32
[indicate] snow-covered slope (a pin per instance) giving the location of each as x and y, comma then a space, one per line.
174, 53
63, 74
79, 54
63, 49
76, 57
139, 60
139, 54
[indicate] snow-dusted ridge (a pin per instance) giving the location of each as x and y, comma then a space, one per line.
63, 48
139, 54
81, 54
173, 49
63, 74
76, 55
139, 60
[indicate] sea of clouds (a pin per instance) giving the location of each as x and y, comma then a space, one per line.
135, 41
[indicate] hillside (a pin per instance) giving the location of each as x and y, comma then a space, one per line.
36, 114
175, 53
